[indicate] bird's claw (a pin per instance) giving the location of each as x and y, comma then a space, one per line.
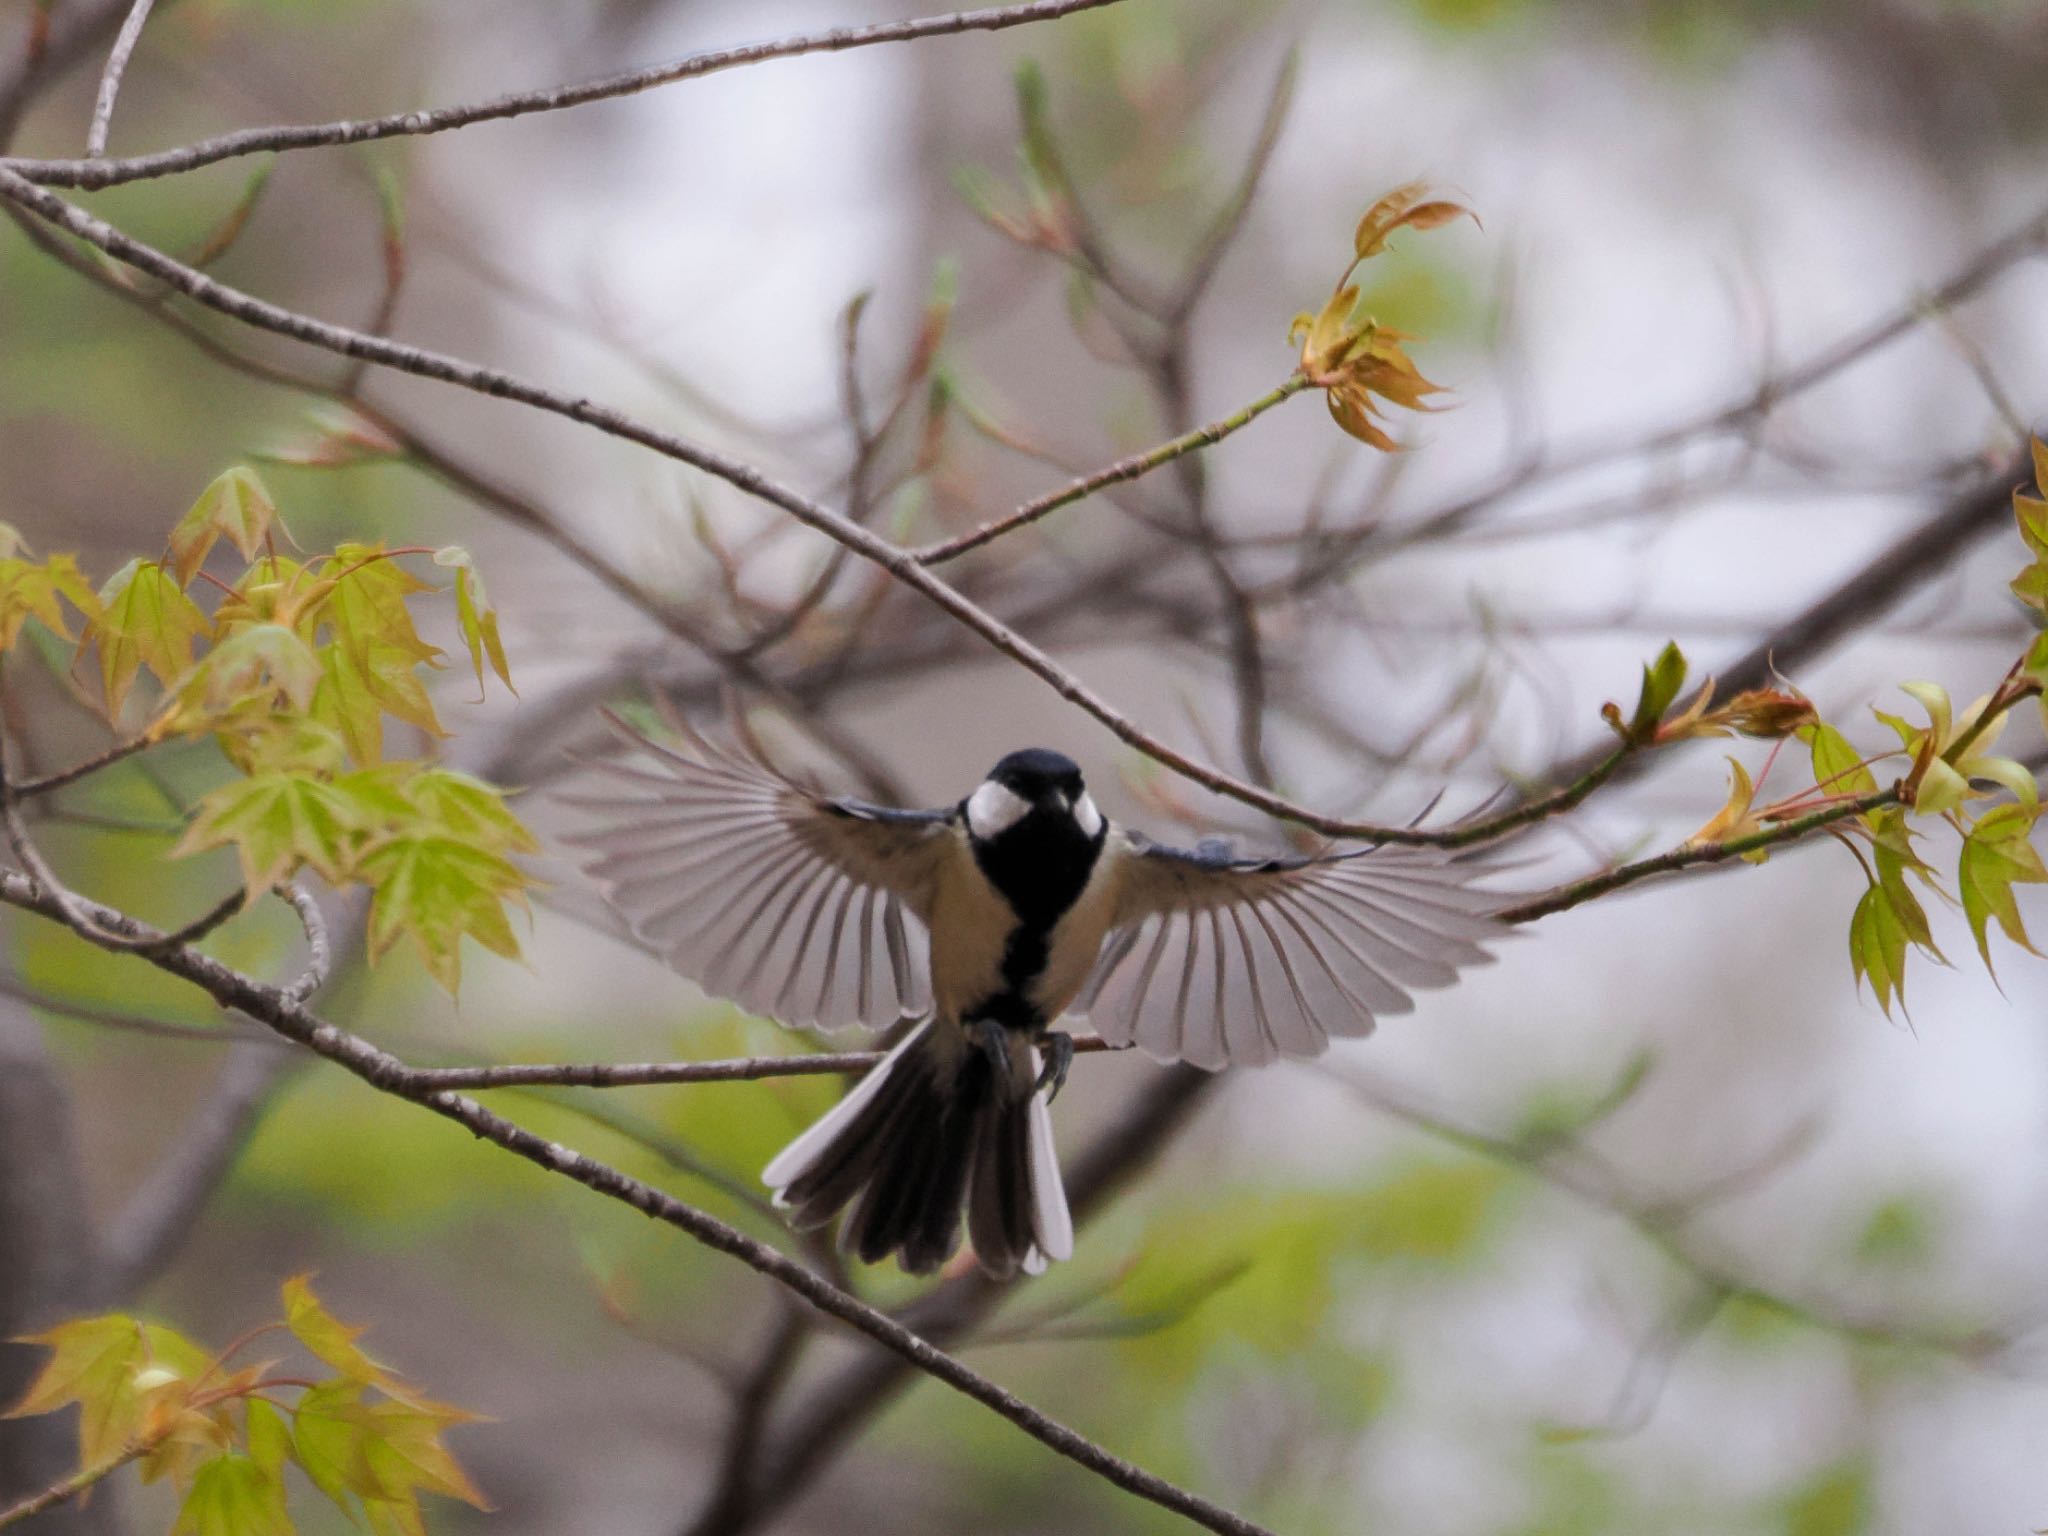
1059, 1048
994, 1042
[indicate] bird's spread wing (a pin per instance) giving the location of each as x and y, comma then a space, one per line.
806, 909
1215, 960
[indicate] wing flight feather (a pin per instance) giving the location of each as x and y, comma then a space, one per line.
1217, 960
803, 908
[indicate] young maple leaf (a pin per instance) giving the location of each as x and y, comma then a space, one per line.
144, 619
1349, 355
438, 888
235, 507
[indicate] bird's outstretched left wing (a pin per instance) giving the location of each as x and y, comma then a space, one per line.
1217, 960
806, 909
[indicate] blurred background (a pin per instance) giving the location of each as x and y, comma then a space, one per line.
1656, 1225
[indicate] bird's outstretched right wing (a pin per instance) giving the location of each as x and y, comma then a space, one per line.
803, 908
1218, 960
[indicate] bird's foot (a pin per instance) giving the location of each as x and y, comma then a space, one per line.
994, 1042
1059, 1057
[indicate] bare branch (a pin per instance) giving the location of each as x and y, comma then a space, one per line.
898, 562
744, 1069
91, 174
276, 1008
110, 78
1124, 469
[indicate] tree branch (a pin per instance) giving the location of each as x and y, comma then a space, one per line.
279, 1010
91, 174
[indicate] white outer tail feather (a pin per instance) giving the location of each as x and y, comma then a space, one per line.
1052, 1223
794, 1160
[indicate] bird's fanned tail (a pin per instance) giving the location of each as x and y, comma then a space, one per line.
934, 1127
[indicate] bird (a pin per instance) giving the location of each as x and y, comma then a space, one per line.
981, 925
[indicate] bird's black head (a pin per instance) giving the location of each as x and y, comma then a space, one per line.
1035, 789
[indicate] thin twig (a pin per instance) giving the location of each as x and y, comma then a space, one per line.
110, 78
1124, 469
71, 775
274, 1007
743, 1069
91, 174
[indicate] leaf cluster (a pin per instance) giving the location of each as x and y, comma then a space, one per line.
1947, 773
1347, 353
224, 1435
295, 669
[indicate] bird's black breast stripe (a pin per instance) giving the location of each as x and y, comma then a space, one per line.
1040, 867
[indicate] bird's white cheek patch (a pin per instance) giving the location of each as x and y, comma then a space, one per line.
994, 808
1086, 816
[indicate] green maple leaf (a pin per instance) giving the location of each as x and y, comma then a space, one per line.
1996, 856
234, 1495
368, 604
147, 620
31, 591
1878, 941
475, 615
358, 689
235, 507
467, 808
278, 821
437, 888
327, 1337
113, 1367
257, 672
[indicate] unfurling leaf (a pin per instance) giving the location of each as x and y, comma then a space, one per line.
1406, 207
1350, 355
1735, 819
235, 507
479, 620
1662, 680
334, 436
1997, 855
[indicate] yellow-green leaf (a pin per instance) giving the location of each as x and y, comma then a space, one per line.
115, 1368
437, 889
276, 822
235, 507
1838, 767
147, 620
329, 1339
473, 611
1877, 948
233, 1495
1997, 855
466, 808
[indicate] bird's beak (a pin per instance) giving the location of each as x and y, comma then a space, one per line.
1059, 800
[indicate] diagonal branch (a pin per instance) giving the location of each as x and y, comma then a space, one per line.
899, 563
91, 174
277, 1008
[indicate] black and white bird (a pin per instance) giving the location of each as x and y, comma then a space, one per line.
987, 921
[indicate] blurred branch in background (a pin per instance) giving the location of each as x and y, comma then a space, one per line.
1231, 577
